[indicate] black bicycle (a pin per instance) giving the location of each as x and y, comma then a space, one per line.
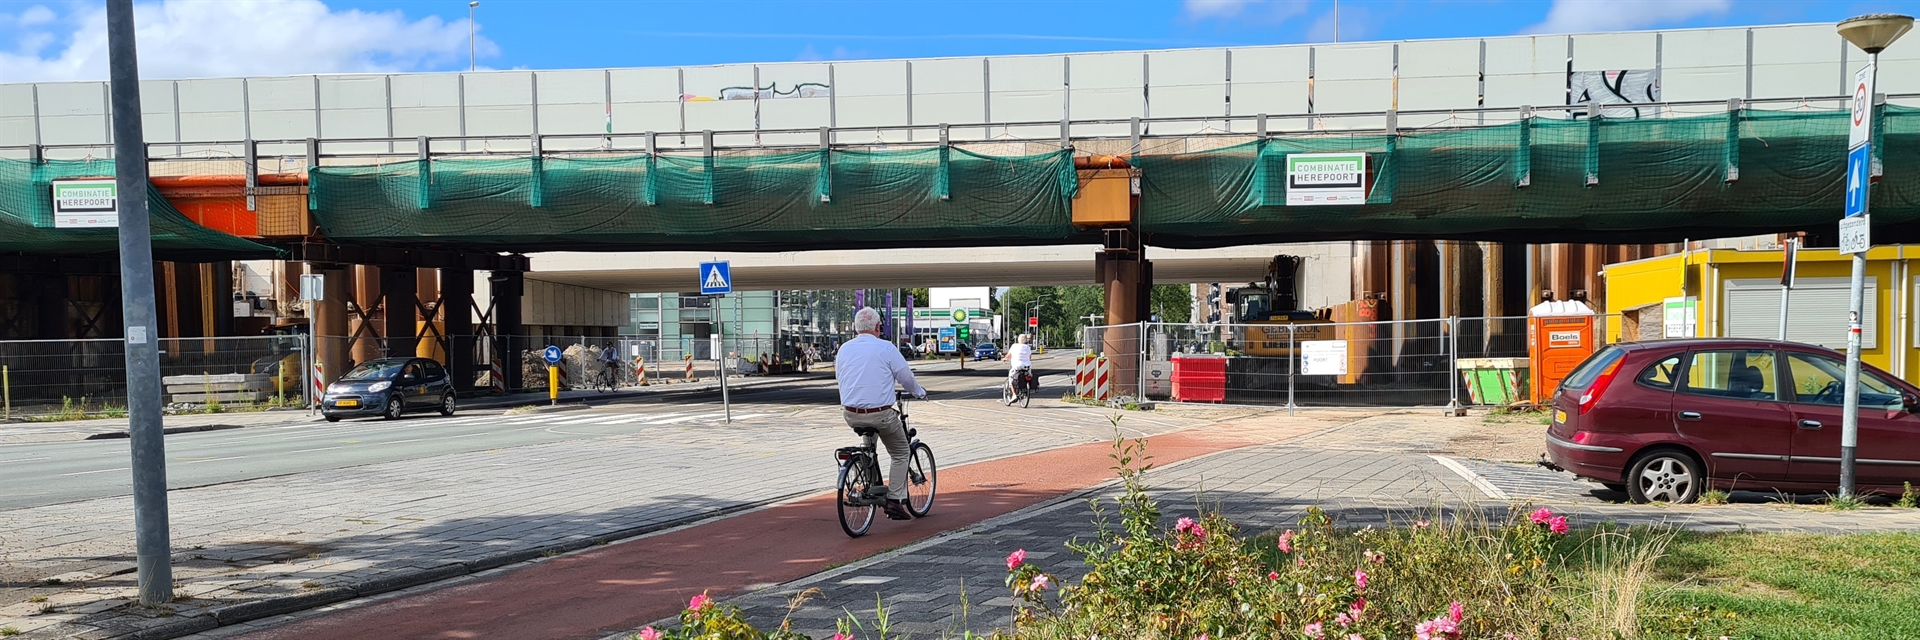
1015, 391
860, 473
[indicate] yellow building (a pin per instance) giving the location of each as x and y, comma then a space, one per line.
1736, 293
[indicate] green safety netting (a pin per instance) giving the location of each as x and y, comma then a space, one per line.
26, 219
779, 201
1654, 180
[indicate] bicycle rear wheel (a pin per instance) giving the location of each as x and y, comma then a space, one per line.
1026, 398
923, 480
856, 515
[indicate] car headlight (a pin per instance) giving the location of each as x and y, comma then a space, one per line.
379, 387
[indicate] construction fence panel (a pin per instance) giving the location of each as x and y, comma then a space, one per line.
51, 376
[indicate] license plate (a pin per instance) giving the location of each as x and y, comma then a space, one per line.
346, 403
1560, 416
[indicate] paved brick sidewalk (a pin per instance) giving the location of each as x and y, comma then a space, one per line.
953, 584
329, 535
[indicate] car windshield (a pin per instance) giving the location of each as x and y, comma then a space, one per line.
1590, 369
377, 370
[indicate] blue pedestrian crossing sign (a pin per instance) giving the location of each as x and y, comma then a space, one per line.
715, 278
1859, 164
552, 354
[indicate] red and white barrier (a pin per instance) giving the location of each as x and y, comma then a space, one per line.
319, 385
1083, 375
1102, 379
497, 378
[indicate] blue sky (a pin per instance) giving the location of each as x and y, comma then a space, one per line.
64, 39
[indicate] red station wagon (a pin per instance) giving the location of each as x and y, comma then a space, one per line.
1666, 420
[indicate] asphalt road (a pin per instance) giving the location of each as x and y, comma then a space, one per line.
50, 473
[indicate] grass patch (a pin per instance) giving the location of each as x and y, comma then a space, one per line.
1714, 496
1802, 586
1518, 415
1845, 503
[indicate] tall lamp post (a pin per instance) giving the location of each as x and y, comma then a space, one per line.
1871, 33
473, 49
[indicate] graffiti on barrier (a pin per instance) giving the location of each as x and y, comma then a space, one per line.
1607, 89
769, 92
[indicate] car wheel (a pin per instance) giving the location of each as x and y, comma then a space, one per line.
1665, 476
394, 409
333, 418
446, 405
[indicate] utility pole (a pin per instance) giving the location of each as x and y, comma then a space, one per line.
473, 49
152, 548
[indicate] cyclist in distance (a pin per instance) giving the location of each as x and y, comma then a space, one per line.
610, 362
866, 369
1020, 360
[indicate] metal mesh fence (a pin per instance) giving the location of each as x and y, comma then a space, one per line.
1417, 363
44, 376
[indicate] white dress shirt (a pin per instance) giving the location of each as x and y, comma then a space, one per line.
866, 368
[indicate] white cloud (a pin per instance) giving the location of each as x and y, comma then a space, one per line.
1264, 11
1587, 16
35, 15
190, 39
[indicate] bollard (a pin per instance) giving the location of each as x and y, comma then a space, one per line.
6, 388
553, 385
640, 371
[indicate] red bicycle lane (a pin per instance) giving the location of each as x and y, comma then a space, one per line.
619, 587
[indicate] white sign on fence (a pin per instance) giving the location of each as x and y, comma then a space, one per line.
1326, 178
85, 204
1680, 315
1324, 357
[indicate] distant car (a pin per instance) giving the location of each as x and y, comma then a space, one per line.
909, 352
986, 351
1665, 420
389, 387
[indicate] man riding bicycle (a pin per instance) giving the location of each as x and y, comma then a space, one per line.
1020, 361
866, 369
610, 361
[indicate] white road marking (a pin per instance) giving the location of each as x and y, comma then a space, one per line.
21, 460
1471, 477
216, 459
319, 449
82, 473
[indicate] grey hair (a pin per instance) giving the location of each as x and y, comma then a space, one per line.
866, 319
1026, 338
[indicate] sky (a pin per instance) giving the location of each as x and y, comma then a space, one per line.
53, 40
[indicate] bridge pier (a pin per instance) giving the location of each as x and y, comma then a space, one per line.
400, 285
456, 317
329, 315
509, 323
1123, 269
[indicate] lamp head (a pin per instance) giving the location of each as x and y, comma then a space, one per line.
474, 3
1875, 32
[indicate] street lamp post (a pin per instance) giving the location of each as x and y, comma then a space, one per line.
473, 49
1872, 34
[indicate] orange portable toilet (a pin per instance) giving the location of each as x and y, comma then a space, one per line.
1559, 336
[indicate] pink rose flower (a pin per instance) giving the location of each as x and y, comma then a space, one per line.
1356, 636
1359, 579
650, 633
1199, 532
1040, 582
699, 602
1455, 612
1273, 575
1424, 631
1314, 630
1343, 620
1015, 559
841, 636
1541, 515
1299, 562
1286, 542
1183, 525
1353, 610
1421, 524
1558, 525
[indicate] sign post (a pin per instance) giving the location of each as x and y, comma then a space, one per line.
1871, 33
552, 356
716, 279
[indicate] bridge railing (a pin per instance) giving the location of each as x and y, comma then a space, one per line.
1109, 135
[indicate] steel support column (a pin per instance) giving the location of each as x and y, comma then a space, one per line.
402, 327
456, 314
508, 321
330, 327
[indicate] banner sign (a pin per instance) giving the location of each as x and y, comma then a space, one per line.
1326, 178
85, 204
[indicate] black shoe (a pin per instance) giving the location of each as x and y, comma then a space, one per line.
897, 510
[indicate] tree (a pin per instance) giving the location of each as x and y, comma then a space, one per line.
1172, 302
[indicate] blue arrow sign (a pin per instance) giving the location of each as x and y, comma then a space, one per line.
552, 354
716, 278
1859, 167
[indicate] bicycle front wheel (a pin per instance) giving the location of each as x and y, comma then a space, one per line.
856, 511
923, 480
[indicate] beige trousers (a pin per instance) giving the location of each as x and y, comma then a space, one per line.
893, 434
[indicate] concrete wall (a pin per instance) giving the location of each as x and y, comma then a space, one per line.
560, 305
1698, 64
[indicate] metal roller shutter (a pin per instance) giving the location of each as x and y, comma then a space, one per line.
1816, 312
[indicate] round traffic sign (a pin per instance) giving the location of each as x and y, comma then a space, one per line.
552, 354
1860, 100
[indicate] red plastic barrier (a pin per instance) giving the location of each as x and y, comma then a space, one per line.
1199, 378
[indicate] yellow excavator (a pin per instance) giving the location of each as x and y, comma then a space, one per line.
1269, 307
